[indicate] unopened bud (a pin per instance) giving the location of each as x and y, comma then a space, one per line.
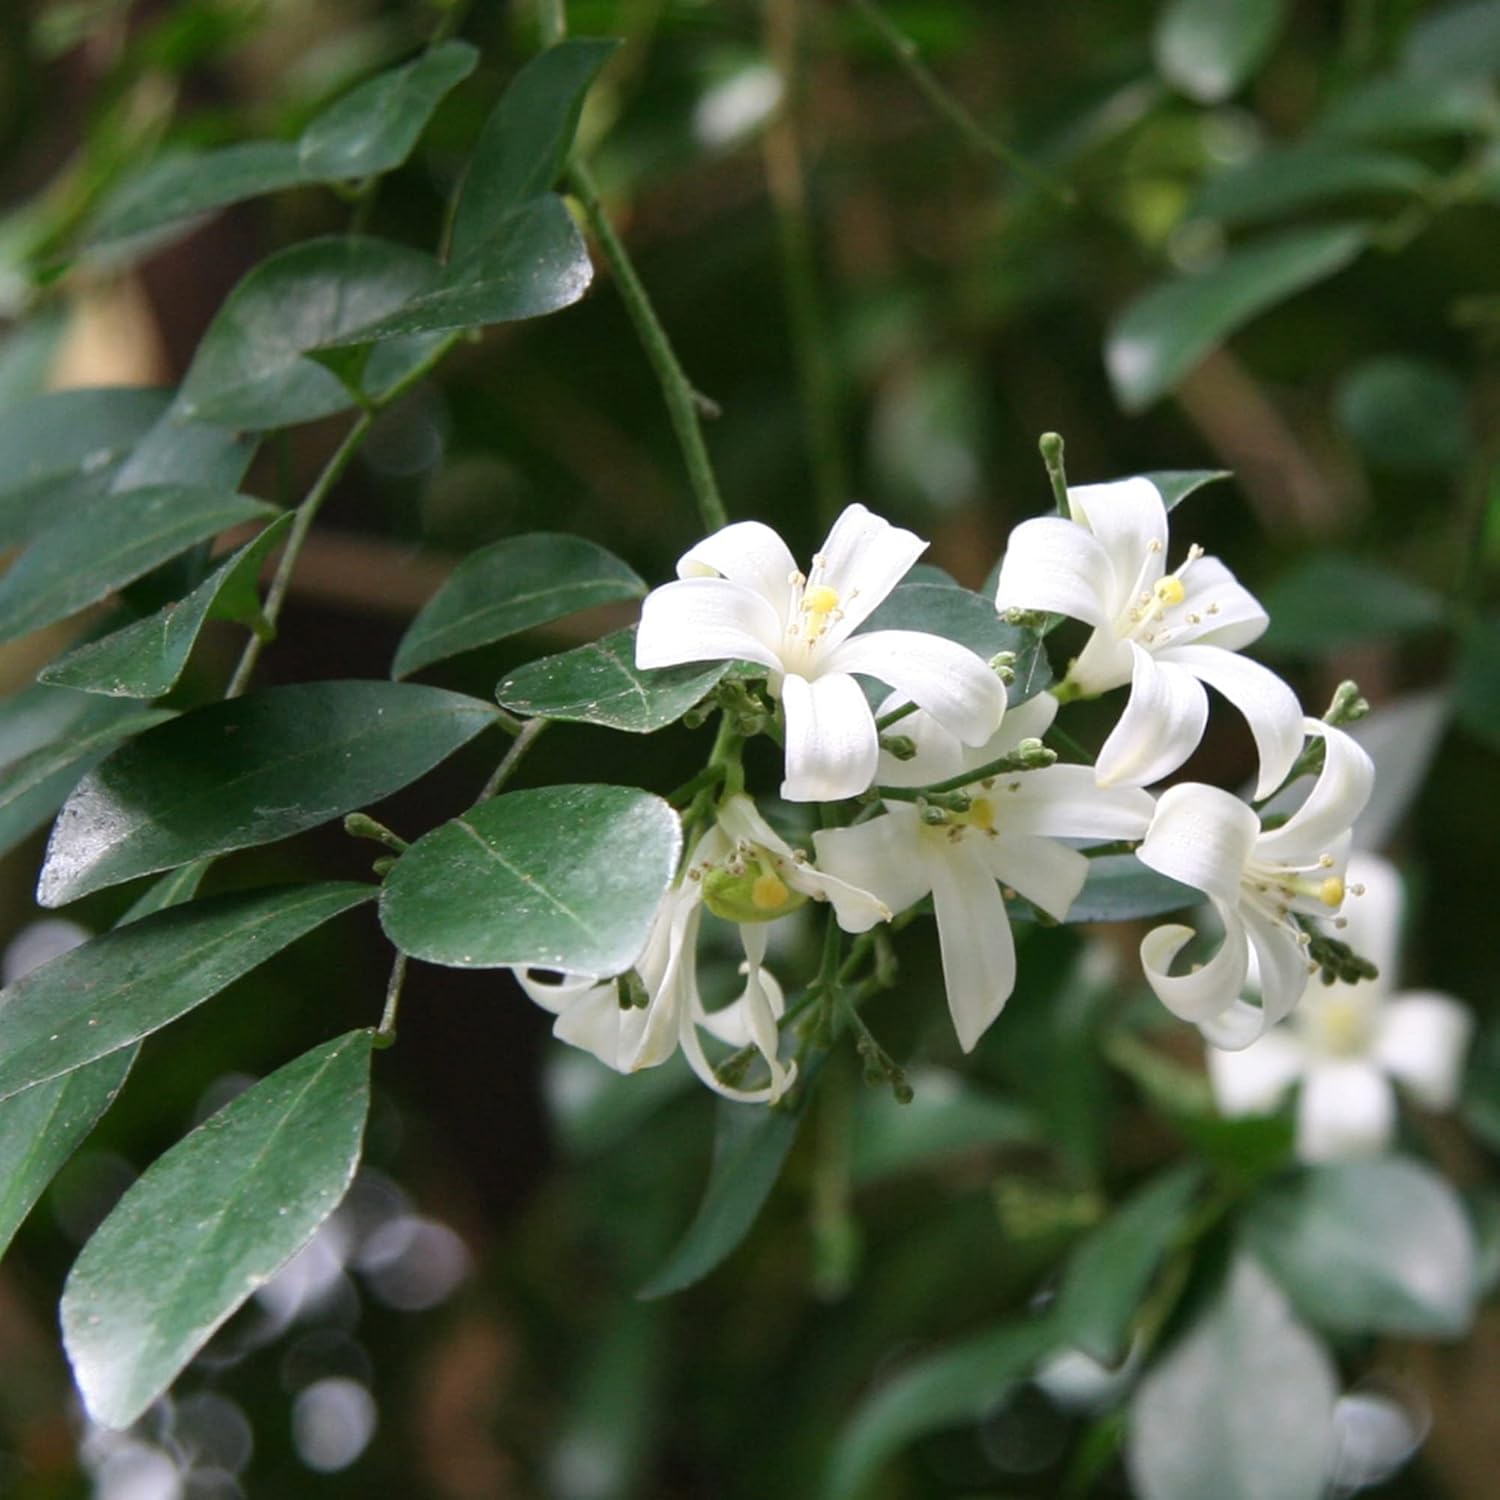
1027, 619
1347, 705
1003, 665
902, 746
1033, 755
631, 991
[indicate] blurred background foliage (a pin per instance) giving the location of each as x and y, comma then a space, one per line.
892, 246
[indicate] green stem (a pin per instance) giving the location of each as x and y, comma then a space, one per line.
895, 716
386, 1033
1006, 765
906, 53
523, 742
1050, 445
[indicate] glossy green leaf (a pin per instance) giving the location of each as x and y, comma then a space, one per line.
601, 684
209, 1222
512, 586
262, 767
174, 888
106, 543
135, 979
145, 658
948, 1116
1303, 176
375, 127
1107, 1276
1407, 415
35, 786
1240, 1407
960, 1385
195, 455
524, 143
1119, 888
1476, 692
1208, 48
751, 1143
1163, 334
1176, 485
251, 368
1396, 108
41, 1127
971, 620
1380, 1246
1331, 601
63, 447
567, 877
535, 263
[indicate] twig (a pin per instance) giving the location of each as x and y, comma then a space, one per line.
513, 757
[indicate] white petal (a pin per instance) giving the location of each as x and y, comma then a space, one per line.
1104, 663
750, 553
1204, 993
1055, 565
1252, 1081
1373, 917
949, 681
1228, 614
782, 1076
1129, 518
706, 619
940, 755
593, 1024
1346, 1109
731, 1024
1047, 874
1065, 802
1026, 721
1422, 1040
832, 748
756, 1003
1281, 965
882, 856
979, 955
1270, 707
1162, 724
1338, 795
864, 558
1202, 836
557, 995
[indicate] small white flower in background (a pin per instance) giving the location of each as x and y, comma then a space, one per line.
1166, 634
740, 596
1346, 1043
1259, 881
740, 869
1008, 835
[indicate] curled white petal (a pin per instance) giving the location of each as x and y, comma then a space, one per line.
945, 679
1346, 1109
1202, 836
1203, 993
748, 553
1162, 725
1065, 802
883, 857
1053, 564
1253, 1080
1335, 801
1281, 963
863, 559
1129, 519
1421, 1041
978, 953
1270, 707
832, 748
706, 619
1215, 610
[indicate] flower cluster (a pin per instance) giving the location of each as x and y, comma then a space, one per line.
934, 788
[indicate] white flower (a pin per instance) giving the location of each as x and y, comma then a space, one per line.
740, 596
1007, 835
1166, 634
1347, 1042
742, 869
1259, 881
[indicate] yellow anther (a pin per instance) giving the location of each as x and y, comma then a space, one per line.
820, 600
1331, 891
1169, 591
769, 893
982, 814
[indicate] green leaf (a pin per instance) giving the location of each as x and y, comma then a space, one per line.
262, 767
971, 620
1331, 601
41, 1127
1398, 108
961, 1385
35, 786
193, 455
1208, 48
1454, 41
109, 541
1240, 1407
509, 587
63, 447
208, 1223
1163, 334
251, 368
375, 127
567, 877
524, 143
131, 981
1476, 692
535, 264
751, 1142
145, 658
1380, 1246
1119, 888
948, 1116
1408, 415
1108, 1274
1306, 175
601, 684
1176, 485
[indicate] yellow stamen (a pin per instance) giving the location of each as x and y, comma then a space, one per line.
1331, 892
1170, 591
769, 893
